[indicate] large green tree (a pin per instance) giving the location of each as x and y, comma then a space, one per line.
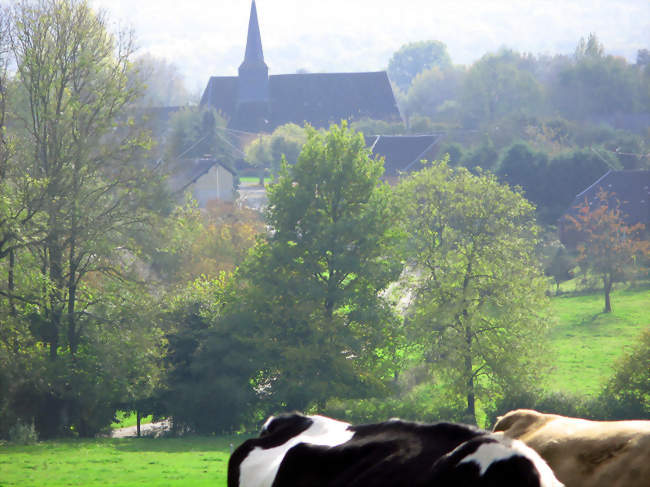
415, 57
498, 85
267, 151
82, 194
478, 290
316, 280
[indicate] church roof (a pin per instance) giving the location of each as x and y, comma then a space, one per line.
319, 99
254, 101
325, 98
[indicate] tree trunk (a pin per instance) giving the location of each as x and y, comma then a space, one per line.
471, 399
10, 281
137, 419
55, 299
608, 288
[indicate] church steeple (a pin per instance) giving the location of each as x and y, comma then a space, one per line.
254, 57
252, 106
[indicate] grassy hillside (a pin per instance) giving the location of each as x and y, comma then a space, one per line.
586, 342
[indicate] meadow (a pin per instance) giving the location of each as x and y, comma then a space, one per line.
585, 344
164, 462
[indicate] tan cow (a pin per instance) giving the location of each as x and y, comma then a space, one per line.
585, 453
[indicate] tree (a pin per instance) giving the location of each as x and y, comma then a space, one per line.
560, 268
213, 356
607, 245
90, 191
315, 281
196, 132
595, 85
521, 166
163, 83
434, 93
479, 295
591, 47
415, 57
267, 151
566, 175
4, 80
498, 85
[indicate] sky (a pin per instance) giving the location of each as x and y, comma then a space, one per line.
206, 38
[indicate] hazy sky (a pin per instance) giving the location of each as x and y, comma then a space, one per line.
207, 37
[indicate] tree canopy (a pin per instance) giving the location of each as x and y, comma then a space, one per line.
413, 58
317, 277
479, 301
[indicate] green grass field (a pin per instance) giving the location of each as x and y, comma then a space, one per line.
124, 420
585, 344
172, 462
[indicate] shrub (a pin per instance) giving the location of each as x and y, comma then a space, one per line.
424, 403
23, 433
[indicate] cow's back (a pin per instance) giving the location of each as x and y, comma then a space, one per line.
585, 453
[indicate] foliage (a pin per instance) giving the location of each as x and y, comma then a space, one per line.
194, 243
426, 403
267, 151
630, 384
314, 282
597, 85
164, 85
433, 93
498, 85
606, 244
196, 132
560, 268
479, 301
22, 434
369, 126
415, 57
77, 200
213, 356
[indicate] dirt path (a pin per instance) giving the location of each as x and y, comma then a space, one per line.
252, 195
149, 429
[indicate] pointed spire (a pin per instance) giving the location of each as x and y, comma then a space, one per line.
254, 56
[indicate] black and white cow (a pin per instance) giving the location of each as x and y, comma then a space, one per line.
315, 451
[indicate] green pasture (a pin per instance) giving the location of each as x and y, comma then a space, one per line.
586, 343
168, 462
124, 420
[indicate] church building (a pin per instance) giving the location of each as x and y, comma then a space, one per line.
256, 102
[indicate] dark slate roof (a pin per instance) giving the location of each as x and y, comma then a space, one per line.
221, 93
319, 99
192, 171
325, 98
402, 153
631, 188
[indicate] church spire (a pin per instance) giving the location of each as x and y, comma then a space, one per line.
253, 82
254, 57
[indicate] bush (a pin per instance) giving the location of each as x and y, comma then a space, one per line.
425, 403
23, 434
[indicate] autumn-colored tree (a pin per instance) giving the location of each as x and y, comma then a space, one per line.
607, 245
